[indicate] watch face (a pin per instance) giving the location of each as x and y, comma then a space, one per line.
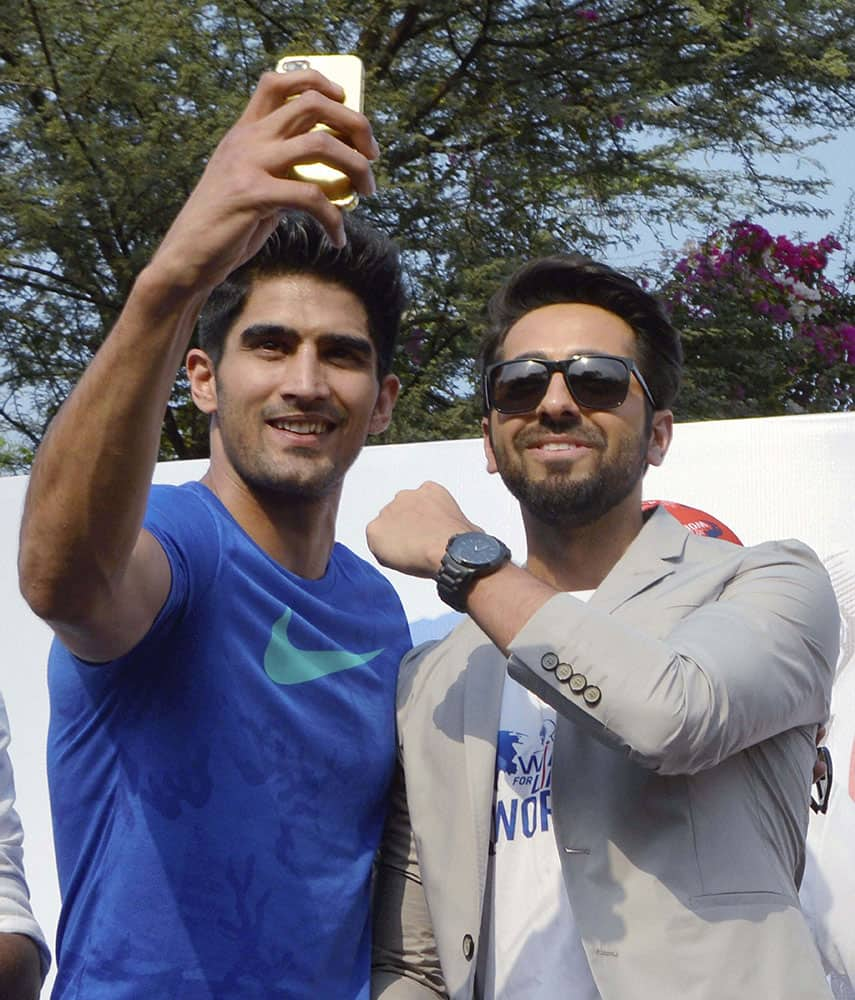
475, 549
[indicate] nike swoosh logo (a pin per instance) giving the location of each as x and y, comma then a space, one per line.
285, 664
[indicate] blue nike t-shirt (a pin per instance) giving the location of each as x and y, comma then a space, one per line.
218, 793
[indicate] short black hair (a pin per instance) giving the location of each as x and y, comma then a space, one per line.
577, 278
368, 265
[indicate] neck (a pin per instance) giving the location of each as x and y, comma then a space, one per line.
580, 557
297, 532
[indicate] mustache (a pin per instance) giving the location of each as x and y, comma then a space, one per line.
325, 411
546, 428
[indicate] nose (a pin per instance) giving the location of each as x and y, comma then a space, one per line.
557, 403
303, 375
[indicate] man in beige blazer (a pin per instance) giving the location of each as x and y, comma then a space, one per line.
679, 681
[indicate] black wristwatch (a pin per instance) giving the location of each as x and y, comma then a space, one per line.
468, 556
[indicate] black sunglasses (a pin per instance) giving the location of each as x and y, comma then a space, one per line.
595, 381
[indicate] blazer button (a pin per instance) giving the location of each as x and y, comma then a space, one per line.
549, 661
577, 683
564, 672
592, 695
468, 947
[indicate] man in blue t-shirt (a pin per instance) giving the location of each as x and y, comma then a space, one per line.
222, 682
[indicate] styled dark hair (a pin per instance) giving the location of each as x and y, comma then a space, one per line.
577, 278
367, 265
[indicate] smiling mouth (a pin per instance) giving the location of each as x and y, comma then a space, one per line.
307, 427
559, 446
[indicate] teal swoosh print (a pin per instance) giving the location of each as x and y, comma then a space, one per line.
285, 664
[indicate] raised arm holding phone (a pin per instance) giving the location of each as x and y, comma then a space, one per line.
222, 682
89, 482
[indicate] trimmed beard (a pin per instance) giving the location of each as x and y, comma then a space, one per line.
565, 503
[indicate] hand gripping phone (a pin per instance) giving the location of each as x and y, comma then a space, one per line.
348, 73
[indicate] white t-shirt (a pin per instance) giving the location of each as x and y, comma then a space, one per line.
535, 951
16, 916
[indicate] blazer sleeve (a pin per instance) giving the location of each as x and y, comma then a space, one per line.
405, 963
710, 676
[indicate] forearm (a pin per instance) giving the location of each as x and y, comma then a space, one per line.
20, 968
410, 535
502, 603
87, 493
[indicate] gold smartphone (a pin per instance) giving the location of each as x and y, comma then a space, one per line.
348, 73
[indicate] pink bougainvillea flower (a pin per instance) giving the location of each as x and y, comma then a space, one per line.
847, 339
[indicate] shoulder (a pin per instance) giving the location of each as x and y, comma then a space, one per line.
781, 586
354, 571
464, 637
786, 551
785, 561
674, 540
792, 569
439, 663
783, 567
176, 505
187, 523
351, 564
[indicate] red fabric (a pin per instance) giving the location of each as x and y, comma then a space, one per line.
695, 520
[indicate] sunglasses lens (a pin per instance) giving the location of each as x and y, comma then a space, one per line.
518, 386
599, 383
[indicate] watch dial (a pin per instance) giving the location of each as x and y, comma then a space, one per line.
475, 549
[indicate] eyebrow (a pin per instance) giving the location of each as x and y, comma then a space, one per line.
252, 333
359, 345
543, 356
530, 356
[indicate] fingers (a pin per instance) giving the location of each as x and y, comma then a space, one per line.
295, 102
280, 124
249, 180
303, 196
321, 147
312, 108
274, 89
411, 532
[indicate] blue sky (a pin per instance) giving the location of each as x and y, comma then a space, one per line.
837, 157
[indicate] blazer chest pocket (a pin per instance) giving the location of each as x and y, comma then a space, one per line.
758, 898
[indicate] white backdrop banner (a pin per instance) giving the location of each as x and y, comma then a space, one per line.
765, 478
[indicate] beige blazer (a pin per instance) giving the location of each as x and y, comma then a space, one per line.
682, 768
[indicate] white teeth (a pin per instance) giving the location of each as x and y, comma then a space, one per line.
556, 446
299, 427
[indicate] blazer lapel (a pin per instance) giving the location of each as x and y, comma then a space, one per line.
653, 555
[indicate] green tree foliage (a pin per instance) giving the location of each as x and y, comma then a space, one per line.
765, 330
14, 458
509, 128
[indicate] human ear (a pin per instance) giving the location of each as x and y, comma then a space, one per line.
203, 380
383, 408
660, 436
492, 466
